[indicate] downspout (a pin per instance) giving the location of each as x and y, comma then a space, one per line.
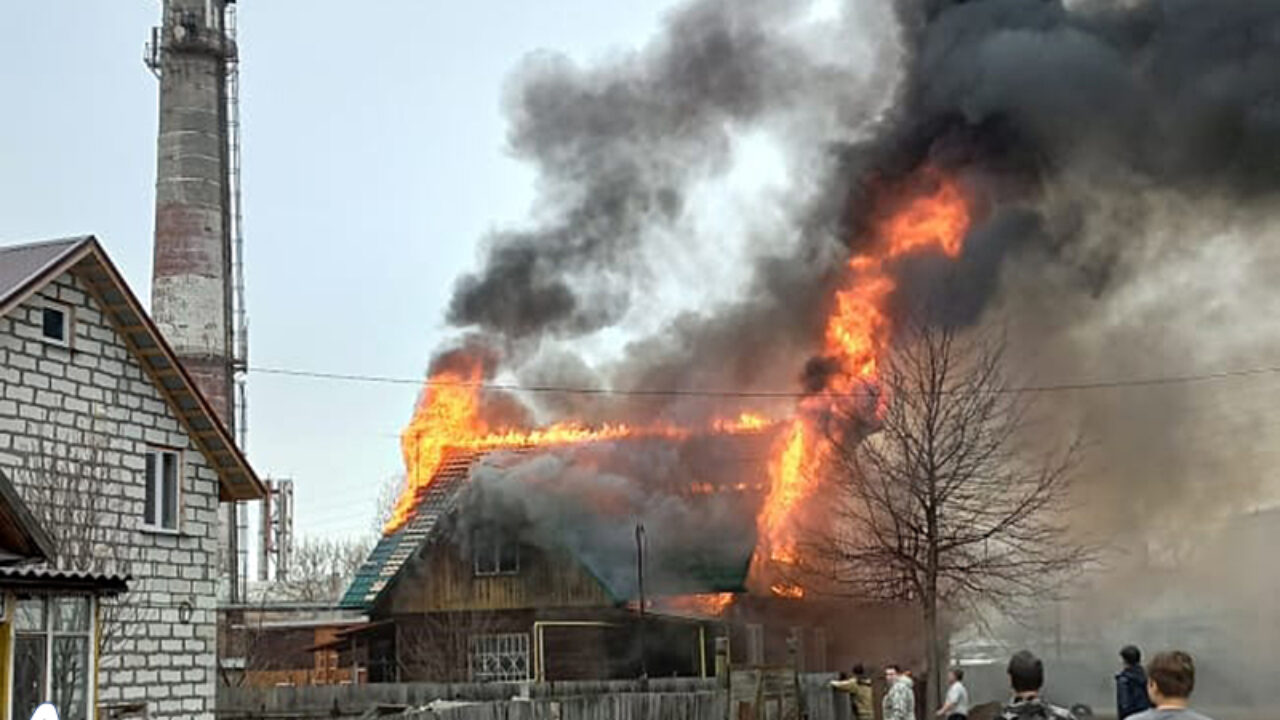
702, 651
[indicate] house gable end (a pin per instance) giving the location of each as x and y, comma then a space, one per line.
99, 284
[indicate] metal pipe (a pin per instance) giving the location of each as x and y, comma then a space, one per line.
702, 650
644, 660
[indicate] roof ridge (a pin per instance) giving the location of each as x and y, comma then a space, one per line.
42, 243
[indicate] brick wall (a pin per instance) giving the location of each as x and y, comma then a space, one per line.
95, 401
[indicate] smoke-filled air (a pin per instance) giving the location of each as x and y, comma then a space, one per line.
1097, 180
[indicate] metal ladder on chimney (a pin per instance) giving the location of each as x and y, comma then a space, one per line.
240, 318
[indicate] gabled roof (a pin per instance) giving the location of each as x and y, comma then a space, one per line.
25, 269
433, 503
691, 568
21, 535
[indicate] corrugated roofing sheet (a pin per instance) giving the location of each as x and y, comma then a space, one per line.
43, 574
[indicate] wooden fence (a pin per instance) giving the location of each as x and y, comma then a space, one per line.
675, 698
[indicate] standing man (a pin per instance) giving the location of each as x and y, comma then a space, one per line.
1131, 684
1171, 677
956, 706
900, 698
1026, 676
859, 689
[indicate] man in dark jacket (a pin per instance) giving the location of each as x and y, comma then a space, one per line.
1131, 684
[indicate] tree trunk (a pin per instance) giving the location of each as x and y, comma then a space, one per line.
933, 658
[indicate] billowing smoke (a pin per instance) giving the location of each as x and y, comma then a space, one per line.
586, 501
1120, 156
617, 149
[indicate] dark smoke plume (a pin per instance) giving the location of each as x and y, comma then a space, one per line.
617, 149
1098, 141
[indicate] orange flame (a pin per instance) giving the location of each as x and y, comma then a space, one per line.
858, 333
448, 417
787, 590
706, 604
928, 215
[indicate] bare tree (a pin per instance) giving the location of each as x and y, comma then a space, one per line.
438, 647
66, 477
321, 568
944, 501
385, 503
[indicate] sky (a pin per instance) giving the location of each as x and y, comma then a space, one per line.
374, 158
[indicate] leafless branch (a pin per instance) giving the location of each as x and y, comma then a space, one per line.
946, 503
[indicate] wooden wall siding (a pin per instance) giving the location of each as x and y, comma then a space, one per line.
444, 580
435, 648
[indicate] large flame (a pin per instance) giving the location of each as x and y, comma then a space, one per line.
448, 418
702, 604
928, 214
858, 333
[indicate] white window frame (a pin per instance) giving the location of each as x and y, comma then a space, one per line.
91, 684
498, 646
68, 323
155, 485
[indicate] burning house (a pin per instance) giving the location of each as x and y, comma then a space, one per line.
1007, 158
524, 561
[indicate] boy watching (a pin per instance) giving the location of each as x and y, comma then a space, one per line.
1171, 676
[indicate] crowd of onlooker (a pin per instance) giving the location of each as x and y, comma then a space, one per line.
1160, 691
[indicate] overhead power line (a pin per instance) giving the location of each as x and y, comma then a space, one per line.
1136, 382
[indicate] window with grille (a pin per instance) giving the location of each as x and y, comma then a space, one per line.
495, 552
499, 658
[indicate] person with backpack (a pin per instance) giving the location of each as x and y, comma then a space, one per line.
1131, 684
1026, 676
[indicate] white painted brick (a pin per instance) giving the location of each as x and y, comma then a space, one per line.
35, 380
51, 368
99, 390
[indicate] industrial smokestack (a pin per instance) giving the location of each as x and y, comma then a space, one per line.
193, 53
191, 280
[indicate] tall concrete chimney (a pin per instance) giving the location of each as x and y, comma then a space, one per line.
191, 282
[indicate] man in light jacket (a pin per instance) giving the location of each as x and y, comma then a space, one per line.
900, 698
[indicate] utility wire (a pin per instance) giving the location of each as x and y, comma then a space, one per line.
1139, 382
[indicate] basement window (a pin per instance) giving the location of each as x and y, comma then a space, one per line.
495, 552
163, 478
55, 323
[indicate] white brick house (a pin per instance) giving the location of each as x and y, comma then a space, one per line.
104, 435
